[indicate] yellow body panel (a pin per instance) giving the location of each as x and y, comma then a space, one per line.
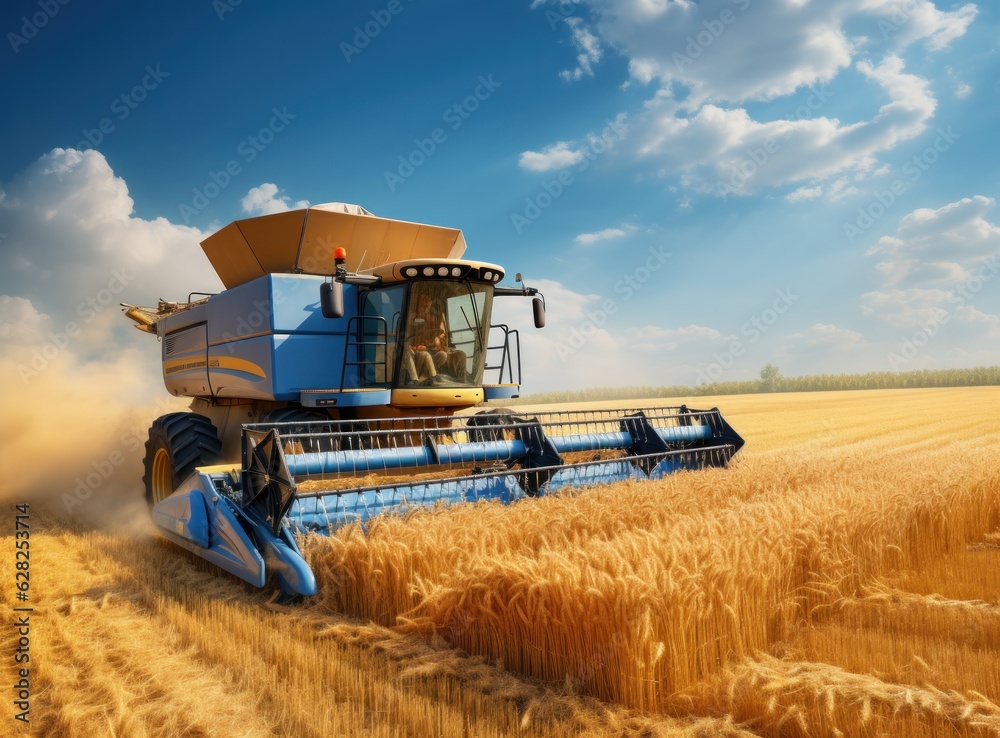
437, 397
233, 469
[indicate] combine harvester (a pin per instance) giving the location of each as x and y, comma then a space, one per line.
328, 381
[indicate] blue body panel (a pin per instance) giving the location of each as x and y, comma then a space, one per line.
268, 339
501, 392
334, 398
214, 527
185, 514
284, 558
309, 362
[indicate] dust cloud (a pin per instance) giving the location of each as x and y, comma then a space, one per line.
72, 434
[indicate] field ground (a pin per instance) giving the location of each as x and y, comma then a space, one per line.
841, 578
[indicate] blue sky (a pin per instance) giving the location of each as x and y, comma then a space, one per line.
699, 188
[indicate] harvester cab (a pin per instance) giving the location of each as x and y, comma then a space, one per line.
330, 382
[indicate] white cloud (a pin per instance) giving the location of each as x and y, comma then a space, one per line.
20, 322
572, 351
936, 265
652, 338
737, 50
75, 248
804, 193
821, 346
938, 248
642, 70
764, 51
962, 89
725, 151
656, 333
582, 345
557, 156
839, 190
708, 59
828, 334
589, 47
608, 234
906, 21
265, 200
904, 308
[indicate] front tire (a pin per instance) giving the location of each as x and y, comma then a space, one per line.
178, 444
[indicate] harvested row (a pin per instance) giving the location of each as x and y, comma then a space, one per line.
803, 699
132, 638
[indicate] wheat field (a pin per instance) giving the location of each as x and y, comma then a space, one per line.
840, 578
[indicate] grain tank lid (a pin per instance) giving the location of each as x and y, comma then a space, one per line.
303, 241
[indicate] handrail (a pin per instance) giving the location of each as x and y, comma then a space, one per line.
357, 323
506, 359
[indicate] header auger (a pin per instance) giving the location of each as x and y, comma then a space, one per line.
330, 382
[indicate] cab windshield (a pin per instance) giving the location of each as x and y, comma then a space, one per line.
445, 334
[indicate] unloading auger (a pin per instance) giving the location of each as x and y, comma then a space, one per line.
325, 393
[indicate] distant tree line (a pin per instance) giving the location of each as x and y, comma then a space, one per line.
771, 380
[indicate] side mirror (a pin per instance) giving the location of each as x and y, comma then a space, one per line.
538, 308
331, 299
